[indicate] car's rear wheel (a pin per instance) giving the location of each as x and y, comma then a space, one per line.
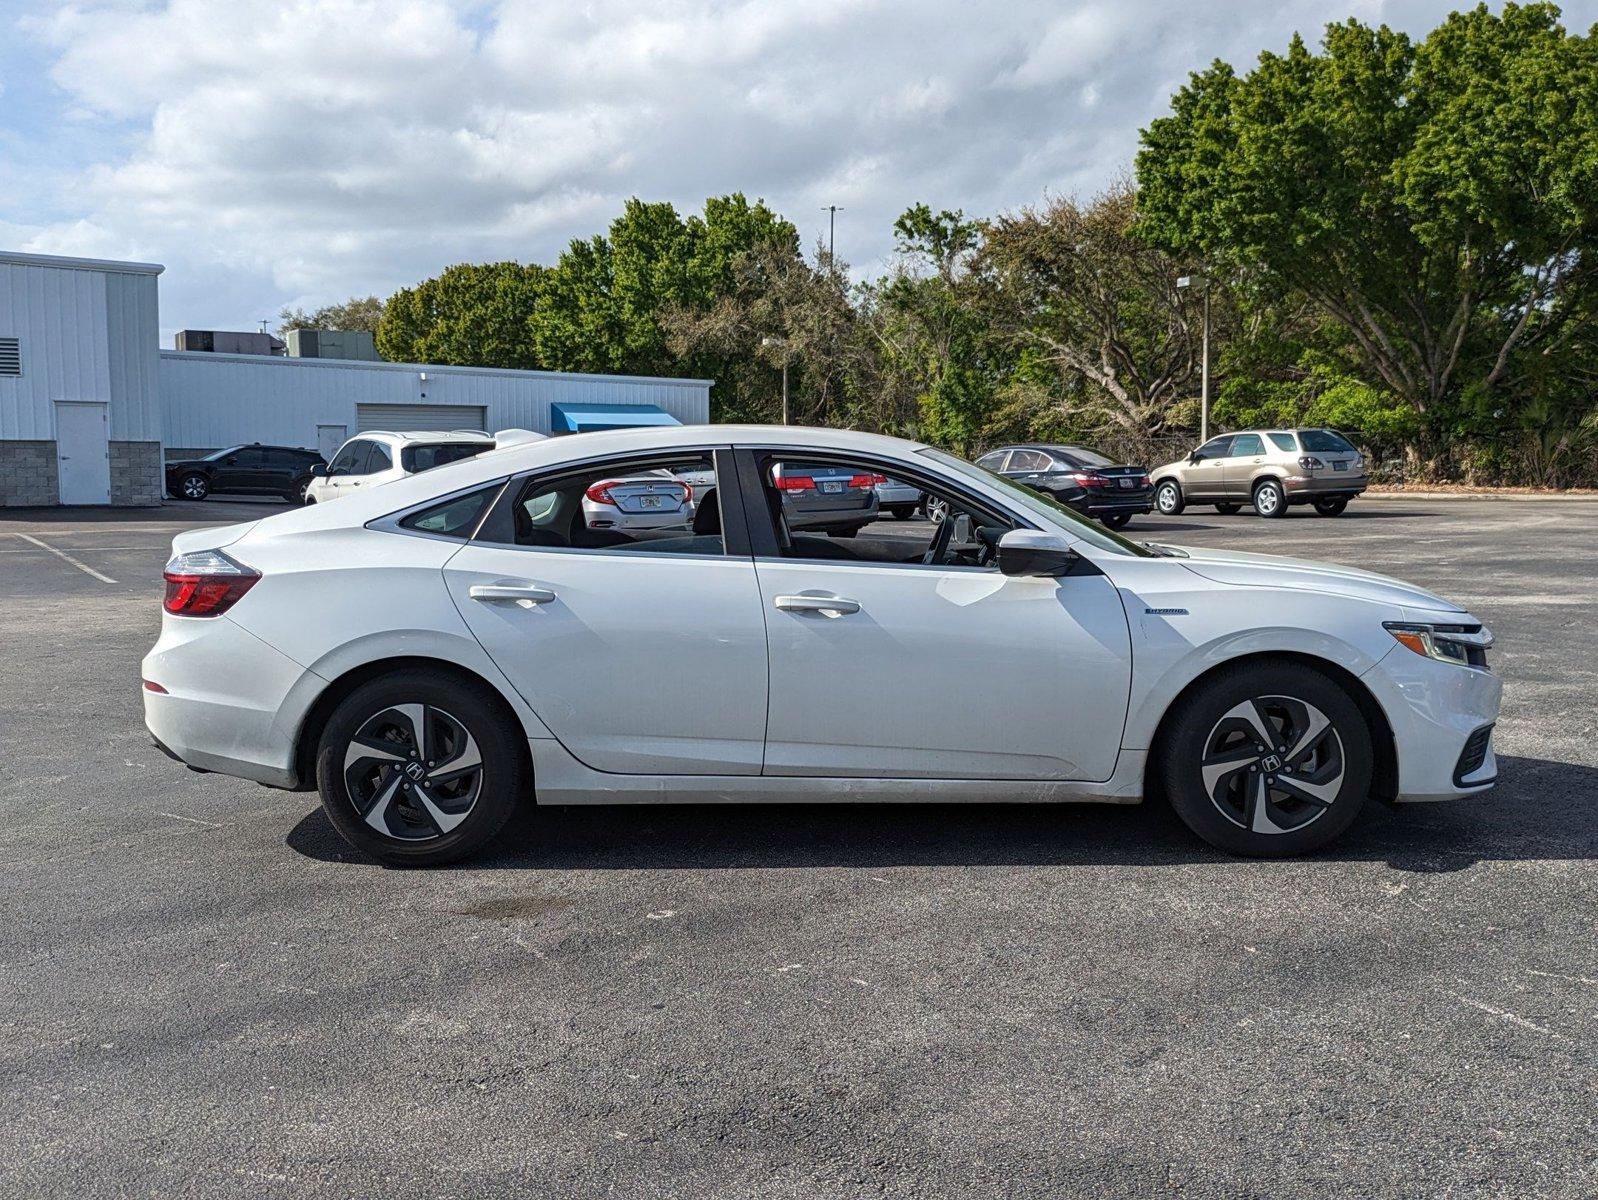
1267, 759
1227, 510
1331, 506
1117, 520
1168, 498
1269, 499
903, 512
418, 769
194, 486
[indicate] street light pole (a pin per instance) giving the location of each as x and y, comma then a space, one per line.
783, 342
832, 228
1203, 284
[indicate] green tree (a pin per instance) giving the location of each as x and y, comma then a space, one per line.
359, 312
467, 316
1098, 304
1436, 200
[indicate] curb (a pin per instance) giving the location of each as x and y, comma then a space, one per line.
1405, 494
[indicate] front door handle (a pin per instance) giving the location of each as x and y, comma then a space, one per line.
530, 592
821, 604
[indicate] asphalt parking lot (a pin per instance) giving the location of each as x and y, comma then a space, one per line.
203, 992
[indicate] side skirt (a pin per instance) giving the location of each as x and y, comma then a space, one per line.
561, 779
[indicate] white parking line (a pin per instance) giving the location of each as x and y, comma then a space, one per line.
96, 549
87, 570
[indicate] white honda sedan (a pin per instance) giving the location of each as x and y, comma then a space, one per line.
433, 652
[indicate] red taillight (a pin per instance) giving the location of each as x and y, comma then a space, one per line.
151, 685
1089, 481
795, 483
205, 584
599, 493
867, 481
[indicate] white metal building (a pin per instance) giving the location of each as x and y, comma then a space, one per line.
214, 400
90, 405
80, 411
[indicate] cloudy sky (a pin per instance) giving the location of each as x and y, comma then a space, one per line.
300, 151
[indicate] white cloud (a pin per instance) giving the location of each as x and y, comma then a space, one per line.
302, 151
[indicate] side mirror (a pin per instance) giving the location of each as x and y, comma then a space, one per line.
1195, 457
1028, 552
319, 470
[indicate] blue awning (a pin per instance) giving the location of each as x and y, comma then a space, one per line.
583, 418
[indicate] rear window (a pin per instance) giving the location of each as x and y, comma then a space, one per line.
1325, 441
425, 457
1079, 457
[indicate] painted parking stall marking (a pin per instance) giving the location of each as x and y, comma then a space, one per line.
62, 554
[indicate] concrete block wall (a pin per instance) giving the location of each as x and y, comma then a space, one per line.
137, 475
28, 474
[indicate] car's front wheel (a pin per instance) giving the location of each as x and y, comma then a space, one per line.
1168, 498
418, 769
1267, 759
297, 492
194, 486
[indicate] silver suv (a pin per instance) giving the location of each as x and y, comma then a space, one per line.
1268, 468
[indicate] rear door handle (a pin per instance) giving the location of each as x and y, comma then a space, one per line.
822, 604
510, 591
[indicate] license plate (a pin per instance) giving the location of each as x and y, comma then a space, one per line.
1339, 466
832, 486
1128, 483
650, 501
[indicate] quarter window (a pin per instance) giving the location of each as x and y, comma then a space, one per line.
454, 518
1283, 441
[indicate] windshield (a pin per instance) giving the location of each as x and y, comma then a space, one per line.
1074, 523
218, 455
1325, 441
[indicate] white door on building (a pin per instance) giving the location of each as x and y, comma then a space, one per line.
329, 438
83, 453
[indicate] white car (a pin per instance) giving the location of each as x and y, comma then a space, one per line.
432, 653
379, 456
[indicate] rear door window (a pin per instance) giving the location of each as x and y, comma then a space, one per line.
379, 459
1028, 460
1246, 445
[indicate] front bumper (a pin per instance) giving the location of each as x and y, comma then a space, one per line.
1435, 709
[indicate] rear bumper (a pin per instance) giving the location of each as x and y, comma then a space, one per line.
1111, 502
1435, 710
225, 693
896, 496
1319, 487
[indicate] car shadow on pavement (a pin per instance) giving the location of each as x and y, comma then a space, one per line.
1540, 810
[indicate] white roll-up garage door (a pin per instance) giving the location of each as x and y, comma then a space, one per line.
401, 418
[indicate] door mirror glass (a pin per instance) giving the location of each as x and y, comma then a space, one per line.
1196, 456
319, 470
1028, 552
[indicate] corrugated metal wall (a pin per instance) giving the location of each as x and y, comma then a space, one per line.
213, 400
86, 334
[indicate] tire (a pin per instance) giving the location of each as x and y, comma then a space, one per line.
936, 509
849, 532
469, 807
1270, 501
1332, 506
903, 512
1117, 520
1227, 510
296, 493
194, 486
1220, 721
1168, 498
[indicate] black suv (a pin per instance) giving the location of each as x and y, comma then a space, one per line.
254, 470
1081, 480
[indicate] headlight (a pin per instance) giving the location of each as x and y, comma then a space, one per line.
1462, 645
